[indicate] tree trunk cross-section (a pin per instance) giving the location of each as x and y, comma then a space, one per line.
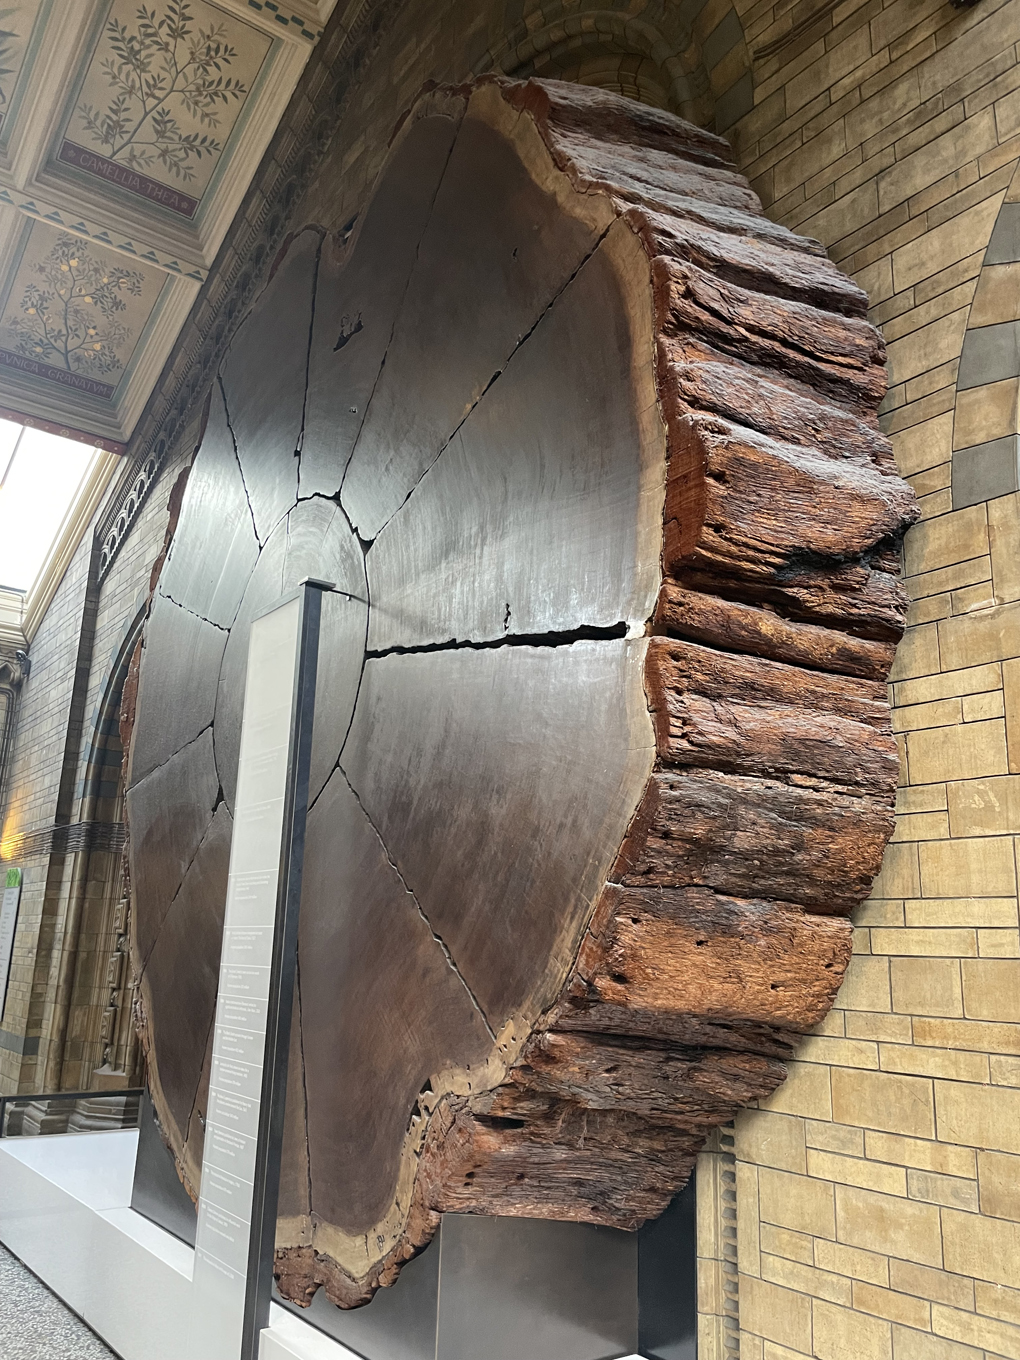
602, 757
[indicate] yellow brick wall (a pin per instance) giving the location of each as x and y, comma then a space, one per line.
877, 1204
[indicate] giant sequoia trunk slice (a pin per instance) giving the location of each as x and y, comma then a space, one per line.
602, 757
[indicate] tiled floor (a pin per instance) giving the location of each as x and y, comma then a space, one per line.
35, 1325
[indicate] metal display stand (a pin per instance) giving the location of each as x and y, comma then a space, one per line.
237, 1205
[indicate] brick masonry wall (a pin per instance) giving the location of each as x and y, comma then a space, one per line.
878, 1195
34, 777
42, 941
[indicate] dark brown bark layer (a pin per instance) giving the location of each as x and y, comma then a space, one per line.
735, 627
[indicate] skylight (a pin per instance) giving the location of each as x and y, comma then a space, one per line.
40, 477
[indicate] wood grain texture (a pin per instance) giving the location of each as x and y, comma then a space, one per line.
605, 758
736, 627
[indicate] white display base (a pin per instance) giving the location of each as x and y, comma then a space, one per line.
65, 1211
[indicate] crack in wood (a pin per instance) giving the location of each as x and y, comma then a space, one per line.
396, 316
564, 638
172, 756
237, 457
495, 377
357, 692
308, 357
194, 614
444, 947
180, 886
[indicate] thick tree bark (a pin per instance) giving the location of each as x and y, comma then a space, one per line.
592, 447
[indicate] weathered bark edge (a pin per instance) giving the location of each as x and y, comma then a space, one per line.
835, 612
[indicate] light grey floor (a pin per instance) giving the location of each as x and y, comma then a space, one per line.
35, 1325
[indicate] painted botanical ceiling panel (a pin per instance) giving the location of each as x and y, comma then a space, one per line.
129, 133
16, 25
75, 318
160, 99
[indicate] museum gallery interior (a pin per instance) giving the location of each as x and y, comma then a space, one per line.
510, 679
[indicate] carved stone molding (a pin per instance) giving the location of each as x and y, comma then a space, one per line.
14, 666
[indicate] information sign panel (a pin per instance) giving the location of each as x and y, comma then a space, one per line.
8, 924
244, 1121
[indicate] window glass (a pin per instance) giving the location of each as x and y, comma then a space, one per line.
41, 476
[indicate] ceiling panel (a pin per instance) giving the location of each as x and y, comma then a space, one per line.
128, 135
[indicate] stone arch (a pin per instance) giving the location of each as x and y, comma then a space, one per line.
98, 1026
13, 670
100, 797
673, 57
986, 416
609, 50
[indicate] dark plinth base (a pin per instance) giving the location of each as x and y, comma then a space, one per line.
505, 1288
157, 1192
528, 1289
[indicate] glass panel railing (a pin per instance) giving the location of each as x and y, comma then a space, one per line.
32, 1116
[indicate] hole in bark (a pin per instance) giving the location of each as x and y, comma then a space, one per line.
498, 1121
348, 330
619, 977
